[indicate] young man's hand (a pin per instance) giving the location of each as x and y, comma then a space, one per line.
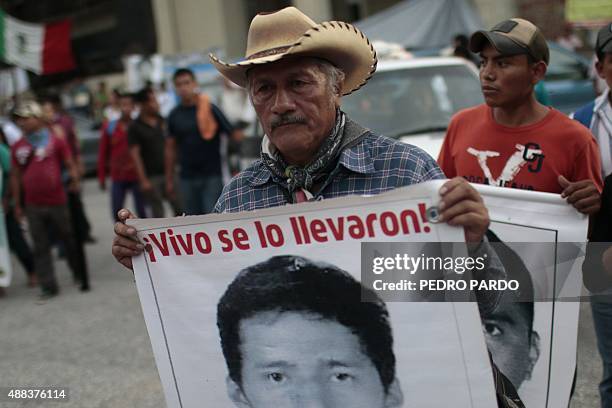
146, 186
125, 245
583, 195
461, 204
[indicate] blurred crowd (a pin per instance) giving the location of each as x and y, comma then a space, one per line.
167, 149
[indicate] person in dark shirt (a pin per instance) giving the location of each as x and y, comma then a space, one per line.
146, 137
195, 129
597, 277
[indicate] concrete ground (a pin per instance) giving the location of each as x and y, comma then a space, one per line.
96, 343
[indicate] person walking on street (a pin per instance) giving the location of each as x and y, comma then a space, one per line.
597, 117
16, 241
63, 126
37, 159
146, 138
114, 155
195, 129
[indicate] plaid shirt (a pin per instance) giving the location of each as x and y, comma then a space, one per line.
374, 165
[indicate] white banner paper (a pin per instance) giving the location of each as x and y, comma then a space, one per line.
194, 259
435, 344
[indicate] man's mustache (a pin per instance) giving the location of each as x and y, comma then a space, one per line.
287, 120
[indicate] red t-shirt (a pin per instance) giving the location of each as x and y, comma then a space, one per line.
527, 157
41, 170
116, 148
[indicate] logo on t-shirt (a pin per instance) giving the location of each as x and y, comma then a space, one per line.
529, 155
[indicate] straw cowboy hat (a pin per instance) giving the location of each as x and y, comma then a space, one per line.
289, 32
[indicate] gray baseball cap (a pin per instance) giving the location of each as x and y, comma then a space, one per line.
513, 37
604, 39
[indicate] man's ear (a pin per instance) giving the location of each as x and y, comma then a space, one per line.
534, 352
235, 393
539, 71
599, 68
394, 397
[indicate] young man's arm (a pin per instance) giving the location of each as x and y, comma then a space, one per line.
583, 190
145, 183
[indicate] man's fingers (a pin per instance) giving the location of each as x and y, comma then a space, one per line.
128, 243
591, 203
465, 206
573, 187
120, 252
469, 218
450, 185
589, 191
125, 214
125, 230
591, 210
457, 190
563, 182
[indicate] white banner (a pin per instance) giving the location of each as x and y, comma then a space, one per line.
544, 376
434, 344
181, 282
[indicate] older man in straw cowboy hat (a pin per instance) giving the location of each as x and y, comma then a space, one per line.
296, 72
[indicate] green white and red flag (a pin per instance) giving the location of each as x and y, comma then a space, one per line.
40, 48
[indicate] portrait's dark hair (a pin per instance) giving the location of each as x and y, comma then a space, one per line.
183, 71
143, 95
296, 284
516, 269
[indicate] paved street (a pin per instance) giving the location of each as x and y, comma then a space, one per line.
96, 344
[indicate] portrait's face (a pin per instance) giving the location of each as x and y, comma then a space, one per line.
515, 348
185, 86
506, 81
293, 359
295, 104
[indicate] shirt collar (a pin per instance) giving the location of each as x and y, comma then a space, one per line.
355, 158
601, 100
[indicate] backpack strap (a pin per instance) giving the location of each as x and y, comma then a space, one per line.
110, 129
584, 115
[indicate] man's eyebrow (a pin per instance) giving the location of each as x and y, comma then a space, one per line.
275, 364
333, 363
501, 317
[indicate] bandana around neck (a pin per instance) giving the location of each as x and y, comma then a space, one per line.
295, 178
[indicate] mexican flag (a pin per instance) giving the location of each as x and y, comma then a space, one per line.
40, 48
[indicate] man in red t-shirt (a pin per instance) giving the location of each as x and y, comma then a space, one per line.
512, 140
114, 154
37, 160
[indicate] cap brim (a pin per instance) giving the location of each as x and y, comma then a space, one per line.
607, 47
502, 43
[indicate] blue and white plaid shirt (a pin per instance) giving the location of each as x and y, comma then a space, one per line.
374, 165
